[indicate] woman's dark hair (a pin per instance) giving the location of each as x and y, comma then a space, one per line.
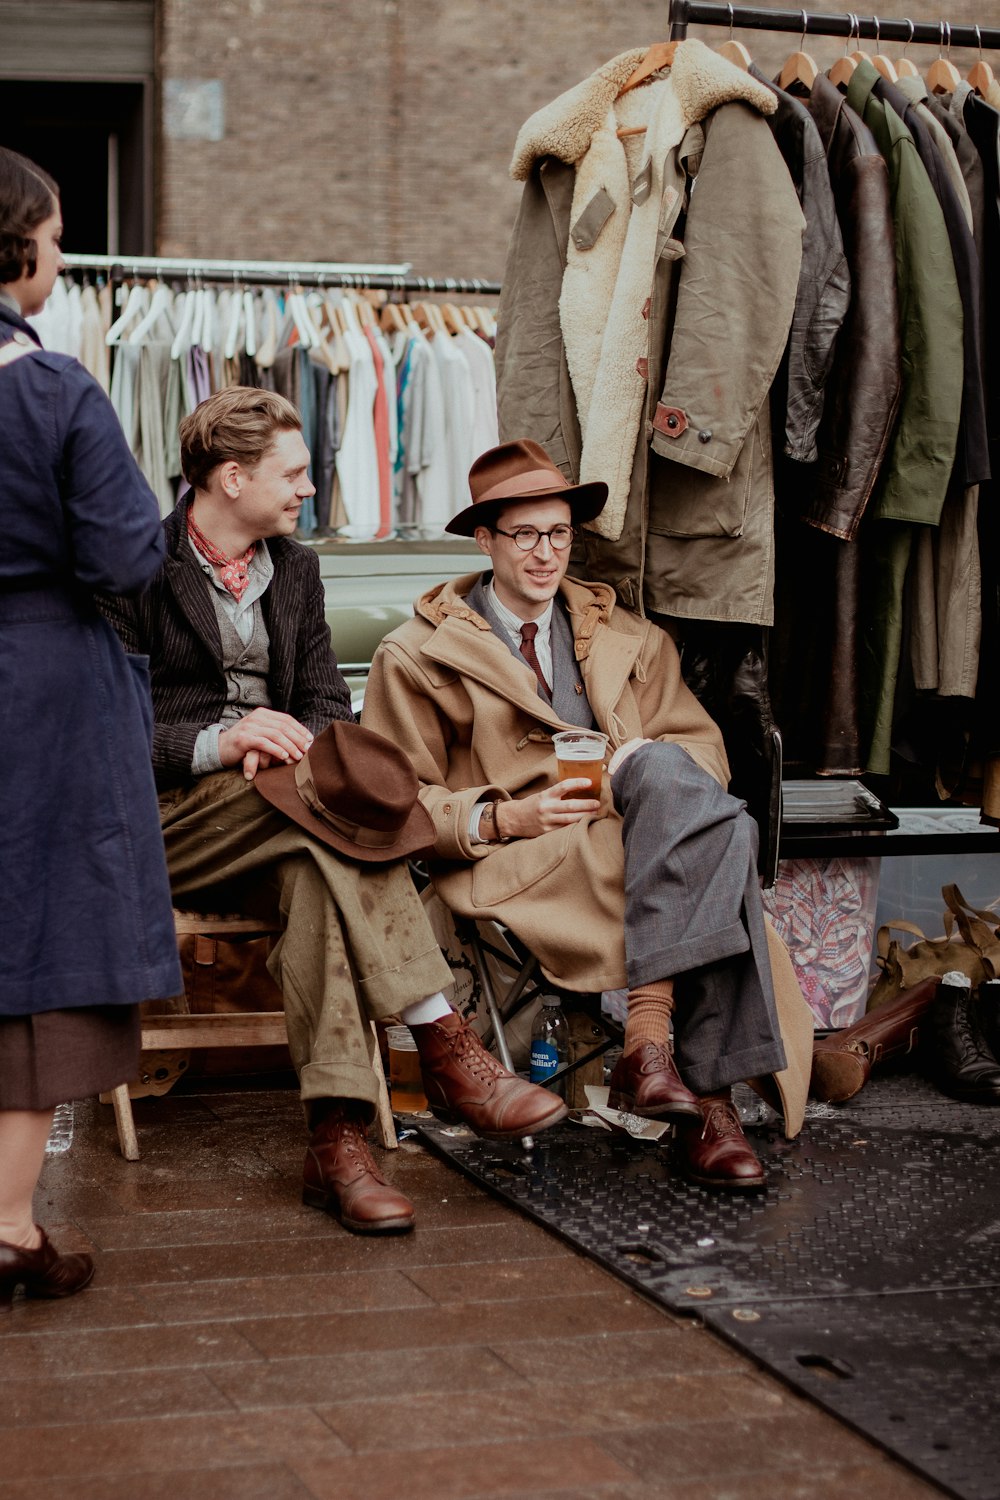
28, 196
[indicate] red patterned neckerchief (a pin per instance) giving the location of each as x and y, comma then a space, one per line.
235, 570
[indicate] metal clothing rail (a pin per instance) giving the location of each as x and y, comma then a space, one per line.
684, 13
391, 278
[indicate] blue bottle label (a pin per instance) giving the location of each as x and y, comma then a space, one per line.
544, 1061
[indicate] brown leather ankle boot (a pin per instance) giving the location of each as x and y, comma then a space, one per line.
464, 1082
713, 1151
341, 1177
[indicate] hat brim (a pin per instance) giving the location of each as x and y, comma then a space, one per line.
416, 836
585, 501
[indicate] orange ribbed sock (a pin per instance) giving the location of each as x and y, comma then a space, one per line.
650, 1007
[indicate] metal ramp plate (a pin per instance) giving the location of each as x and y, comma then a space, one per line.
867, 1276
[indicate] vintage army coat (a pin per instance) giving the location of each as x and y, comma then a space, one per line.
647, 298
86, 916
468, 714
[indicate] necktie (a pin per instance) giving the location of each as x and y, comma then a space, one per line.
528, 633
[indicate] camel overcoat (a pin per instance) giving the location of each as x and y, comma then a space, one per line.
453, 697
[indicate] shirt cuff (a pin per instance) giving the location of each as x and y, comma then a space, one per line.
475, 817
206, 758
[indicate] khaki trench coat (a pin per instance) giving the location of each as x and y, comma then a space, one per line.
452, 696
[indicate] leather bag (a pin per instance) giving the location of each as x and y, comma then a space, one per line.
970, 944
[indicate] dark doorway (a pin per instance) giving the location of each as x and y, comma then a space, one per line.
91, 137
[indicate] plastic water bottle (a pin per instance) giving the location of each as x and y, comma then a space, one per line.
549, 1042
61, 1134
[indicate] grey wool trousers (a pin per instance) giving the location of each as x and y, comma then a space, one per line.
693, 914
356, 944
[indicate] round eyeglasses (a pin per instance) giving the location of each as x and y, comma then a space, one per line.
526, 538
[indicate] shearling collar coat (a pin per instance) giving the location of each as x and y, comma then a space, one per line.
454, 698
642, 323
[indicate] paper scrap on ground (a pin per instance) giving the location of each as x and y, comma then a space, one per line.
600, 1117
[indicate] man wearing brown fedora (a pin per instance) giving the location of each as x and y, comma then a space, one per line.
273, 800
653, 883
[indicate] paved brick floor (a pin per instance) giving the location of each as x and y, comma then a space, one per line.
236, 1345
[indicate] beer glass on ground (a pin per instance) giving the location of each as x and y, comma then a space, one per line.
404, 1071
580, 753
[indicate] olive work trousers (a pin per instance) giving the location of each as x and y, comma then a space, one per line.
356, 944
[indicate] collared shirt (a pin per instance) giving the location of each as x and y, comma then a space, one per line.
543, 650
512, 625
243, 613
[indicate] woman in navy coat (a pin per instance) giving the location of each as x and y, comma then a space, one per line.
86, 929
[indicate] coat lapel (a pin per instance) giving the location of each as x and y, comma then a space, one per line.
188, 584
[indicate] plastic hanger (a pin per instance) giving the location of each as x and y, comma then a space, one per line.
942, 75
198, 321
981, 74
162, 300
135, 304
308, 336
799, 66
182, 338
905, 67
840, 73
250, 323
232, 339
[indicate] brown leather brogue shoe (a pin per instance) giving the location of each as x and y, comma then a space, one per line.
713, 1151
465, 1083
341, 1178
42, 1272
646, 1082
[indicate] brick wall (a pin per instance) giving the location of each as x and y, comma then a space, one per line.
382, 129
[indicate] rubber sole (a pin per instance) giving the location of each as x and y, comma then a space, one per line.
448, 1117
327, 1203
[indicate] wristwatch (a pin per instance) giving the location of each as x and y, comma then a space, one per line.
488, 829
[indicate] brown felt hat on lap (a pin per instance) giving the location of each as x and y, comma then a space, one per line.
521, 470
355, 791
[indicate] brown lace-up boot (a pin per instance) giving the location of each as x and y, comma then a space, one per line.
464, 1082
341, 1177
713, 1151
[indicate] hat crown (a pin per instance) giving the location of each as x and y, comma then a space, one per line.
365, 779
513, 471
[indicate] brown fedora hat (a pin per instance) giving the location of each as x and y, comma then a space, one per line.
521, 470
354, 790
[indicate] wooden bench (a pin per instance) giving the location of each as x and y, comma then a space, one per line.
165, 1031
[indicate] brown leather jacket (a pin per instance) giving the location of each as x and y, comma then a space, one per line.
862, 394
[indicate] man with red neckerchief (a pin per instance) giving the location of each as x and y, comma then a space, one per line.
274, 801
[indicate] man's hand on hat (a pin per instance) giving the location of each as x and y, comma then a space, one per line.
264, 737
527, 817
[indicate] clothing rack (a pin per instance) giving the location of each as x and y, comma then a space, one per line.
684, 13
391, 278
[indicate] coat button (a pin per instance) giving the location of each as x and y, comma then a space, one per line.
446, 808
671, 422
704, 436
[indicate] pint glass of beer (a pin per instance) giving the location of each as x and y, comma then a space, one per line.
579, 753
405, 1082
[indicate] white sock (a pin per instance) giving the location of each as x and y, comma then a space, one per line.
425, 1011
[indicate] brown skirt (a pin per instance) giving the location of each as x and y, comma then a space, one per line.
67, 1054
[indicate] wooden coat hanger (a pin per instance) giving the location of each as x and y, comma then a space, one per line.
840, 73
942, 75
732, 50
799, 66
660, 55
905, 67
882, 63
981, 74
